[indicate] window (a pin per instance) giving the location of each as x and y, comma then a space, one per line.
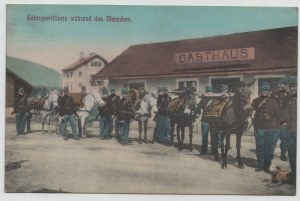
188, 83
80, 74
80, 85
93, 83
232, 83
95, 64
71, 74
136, 85
67, 75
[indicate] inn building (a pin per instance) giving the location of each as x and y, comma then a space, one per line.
252, 57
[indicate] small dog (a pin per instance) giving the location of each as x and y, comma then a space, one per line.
278, 176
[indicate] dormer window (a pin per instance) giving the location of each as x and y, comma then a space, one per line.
95, 64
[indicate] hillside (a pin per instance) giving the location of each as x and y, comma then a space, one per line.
33, 73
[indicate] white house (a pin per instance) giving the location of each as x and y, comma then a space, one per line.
80, 73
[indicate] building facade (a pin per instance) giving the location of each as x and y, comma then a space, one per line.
252, 57
81, 73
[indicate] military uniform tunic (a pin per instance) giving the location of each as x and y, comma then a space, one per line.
67, 110
282, 100
267, 115
292, 115
163, 103
105, 113
20, 108
125, 115
265, 125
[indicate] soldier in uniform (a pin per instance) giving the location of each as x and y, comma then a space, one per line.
105, 116
282, 98
162, 129
60, 124
28, 119
292, 127
204, 122
20, 109
114, 101
265, 125
67, 111
125, 115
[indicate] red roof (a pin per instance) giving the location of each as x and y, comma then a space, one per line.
83, 61
275, 51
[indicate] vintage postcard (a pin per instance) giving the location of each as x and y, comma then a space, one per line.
151, 99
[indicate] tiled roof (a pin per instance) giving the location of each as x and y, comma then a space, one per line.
275, 51
82, 61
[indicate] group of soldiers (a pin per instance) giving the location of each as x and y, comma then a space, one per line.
275, 116
124, 112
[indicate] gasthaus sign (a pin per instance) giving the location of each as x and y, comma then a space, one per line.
216, 55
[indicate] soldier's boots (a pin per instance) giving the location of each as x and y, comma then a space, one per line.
258, 169
283, 157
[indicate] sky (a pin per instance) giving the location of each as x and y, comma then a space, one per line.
57, 44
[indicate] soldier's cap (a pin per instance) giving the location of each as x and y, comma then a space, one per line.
124, 91
112, 90
265, 86
160, 89
208, 89
104, 90
293, 80
21, 91
66, 89
283, 81
224, 86
164, 89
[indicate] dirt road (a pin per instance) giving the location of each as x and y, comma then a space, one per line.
47, 163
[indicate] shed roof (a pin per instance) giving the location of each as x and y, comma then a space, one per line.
275, 51
33, 73
15, 76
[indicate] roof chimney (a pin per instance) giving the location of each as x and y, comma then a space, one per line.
81, 55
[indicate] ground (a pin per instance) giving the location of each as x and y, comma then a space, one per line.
38, 162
